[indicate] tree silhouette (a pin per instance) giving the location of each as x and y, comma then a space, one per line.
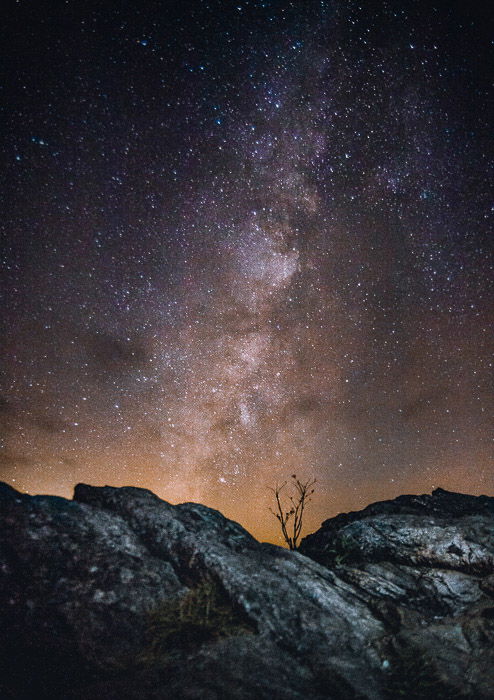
290, 518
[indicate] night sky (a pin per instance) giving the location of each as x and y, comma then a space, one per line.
247, 239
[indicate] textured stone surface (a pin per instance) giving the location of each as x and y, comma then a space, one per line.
394, 601
426, 563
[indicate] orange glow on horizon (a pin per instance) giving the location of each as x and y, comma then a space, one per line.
249, 502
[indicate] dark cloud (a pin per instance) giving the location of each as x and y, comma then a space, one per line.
8, 459
116, 355
52, 425
14, 414
8, 415
70, 462
5, 405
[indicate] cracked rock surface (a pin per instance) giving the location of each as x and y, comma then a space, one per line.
118, 594
425, 565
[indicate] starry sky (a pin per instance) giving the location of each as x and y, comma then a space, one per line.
245, 239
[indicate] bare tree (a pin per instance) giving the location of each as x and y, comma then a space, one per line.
290, 517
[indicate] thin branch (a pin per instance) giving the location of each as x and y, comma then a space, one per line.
298, 501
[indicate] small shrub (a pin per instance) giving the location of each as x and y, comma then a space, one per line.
290, 514
204, 614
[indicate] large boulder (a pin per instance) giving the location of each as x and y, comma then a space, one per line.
425, 565
118, 594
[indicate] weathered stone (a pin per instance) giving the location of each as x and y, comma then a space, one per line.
401, 590
426, 564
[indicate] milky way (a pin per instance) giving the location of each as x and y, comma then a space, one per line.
245, 240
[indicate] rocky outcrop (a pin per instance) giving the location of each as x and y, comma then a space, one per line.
425, 566
118, 594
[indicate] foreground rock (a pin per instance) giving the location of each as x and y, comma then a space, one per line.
118, 594
425, 566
